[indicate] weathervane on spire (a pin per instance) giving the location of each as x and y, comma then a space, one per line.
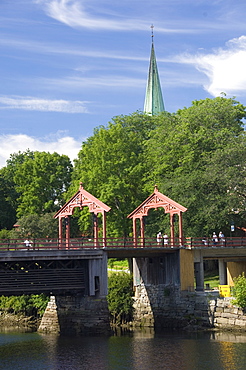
152, 31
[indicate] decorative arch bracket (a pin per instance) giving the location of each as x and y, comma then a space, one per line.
82, 199
158, 200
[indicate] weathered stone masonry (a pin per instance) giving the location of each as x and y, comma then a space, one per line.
76, 315
163, 306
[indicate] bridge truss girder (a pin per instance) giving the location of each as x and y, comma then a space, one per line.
44, 276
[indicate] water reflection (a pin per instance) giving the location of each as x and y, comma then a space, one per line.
229, 337
138, 349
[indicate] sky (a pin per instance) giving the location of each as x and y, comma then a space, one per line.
69, 66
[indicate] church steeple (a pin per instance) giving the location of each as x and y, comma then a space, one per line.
153, 98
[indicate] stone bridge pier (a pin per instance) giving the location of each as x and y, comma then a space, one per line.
158, 282
81, 311
76, 314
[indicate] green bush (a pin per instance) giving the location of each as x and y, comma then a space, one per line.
120, 302
239, 291
29, 305
118, 263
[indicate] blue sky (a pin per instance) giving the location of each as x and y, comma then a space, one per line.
68, 66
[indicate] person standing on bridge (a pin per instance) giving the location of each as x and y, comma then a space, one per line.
215, 239
165, 238
159, 238
27, 243
222, 238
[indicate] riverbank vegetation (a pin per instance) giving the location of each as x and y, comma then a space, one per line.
239, 291
28, 305
23, 311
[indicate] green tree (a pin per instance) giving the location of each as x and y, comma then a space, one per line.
36, 226
8, 190
120, 302
32, 183
41, 180
198, 159
7, 210
111, 166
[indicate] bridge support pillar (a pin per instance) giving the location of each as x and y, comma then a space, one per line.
50, 322
81, 310
199, 275
222, 272
199, 270
156, 279
186, 262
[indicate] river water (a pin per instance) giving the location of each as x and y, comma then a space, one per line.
143, 350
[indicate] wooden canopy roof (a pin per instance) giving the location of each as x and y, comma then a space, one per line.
156, 200
82, 199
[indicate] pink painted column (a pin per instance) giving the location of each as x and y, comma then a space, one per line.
67, 222
181, 239
60, 230
172, 229
135, 239
142, 231
95, 231
104, 228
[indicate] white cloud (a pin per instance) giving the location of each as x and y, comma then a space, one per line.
224, 68
10, 144
31, 103
74, 14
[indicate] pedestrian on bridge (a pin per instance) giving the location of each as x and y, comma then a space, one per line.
27, 243
222, 238
215, 239
165, 239
159, 238
204, 240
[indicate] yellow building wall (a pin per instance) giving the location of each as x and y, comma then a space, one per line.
234, 269
187, 275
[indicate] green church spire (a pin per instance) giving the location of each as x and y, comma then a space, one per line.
153, 98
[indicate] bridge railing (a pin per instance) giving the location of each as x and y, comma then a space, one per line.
127, 242
229, 242
31, 244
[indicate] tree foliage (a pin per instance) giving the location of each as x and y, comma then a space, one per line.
36, 226
41, 182
8, 189
120, 302
111, 166
7, 209
33, 183
198, 159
